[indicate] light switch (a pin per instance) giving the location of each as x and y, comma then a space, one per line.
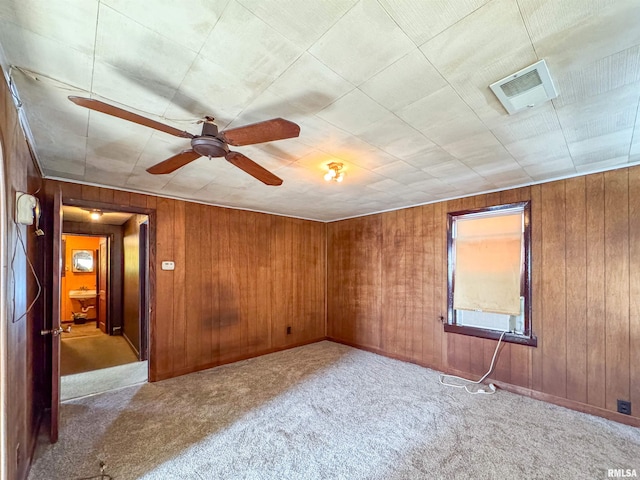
168, 265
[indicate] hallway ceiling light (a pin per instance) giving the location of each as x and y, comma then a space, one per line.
95, 215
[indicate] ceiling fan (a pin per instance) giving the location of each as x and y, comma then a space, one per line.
210, 143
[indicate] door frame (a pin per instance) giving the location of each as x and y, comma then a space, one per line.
116, 303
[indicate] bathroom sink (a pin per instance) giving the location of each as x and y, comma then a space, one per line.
82, 294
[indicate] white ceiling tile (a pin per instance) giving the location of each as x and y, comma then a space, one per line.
542, 149
387, 185
531, 123
396, 137
310, 85
245, 45
301, 22
602, 164
604, 147
416, 75
574, 33
363, 42
556, 168
489, 33
45, 56
101, 172
67, 22
603, 75
422, 20
354, 112
443, 117
429, 157
140, 179
210, 90
186, 26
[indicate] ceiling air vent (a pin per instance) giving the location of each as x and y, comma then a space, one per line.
526, 88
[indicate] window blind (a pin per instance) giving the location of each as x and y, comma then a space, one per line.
488, 261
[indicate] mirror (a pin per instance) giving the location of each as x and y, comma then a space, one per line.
82, 261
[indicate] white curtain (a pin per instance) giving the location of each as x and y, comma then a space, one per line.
488, 261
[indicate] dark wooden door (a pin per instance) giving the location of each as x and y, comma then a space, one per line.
103, 268
57, 254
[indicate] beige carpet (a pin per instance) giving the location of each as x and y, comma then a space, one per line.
326, 411
82, 354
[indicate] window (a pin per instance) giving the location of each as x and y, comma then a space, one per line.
489, 276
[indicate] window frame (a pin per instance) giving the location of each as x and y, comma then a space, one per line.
450, 326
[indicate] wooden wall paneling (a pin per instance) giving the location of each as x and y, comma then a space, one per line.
279, 288
336, 277
576, 264
251, 262
366, 276
162, 333
431, 325
152, 202
263, 281
519, 355
440, 218
217, 246
203, 274
296, 320
554, 359
181, 323
616, 214
120, 197
595, 301
415, 292
138, 200
91, 194
230, 330
106, 195
390, 289
634, 289
69, 190
355, 325
194, 265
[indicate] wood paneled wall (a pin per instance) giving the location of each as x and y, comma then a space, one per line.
387, 288
25, 350
240, 279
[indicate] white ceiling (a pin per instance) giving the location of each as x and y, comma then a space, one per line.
396, 90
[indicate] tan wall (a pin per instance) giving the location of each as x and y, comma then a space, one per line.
387, 289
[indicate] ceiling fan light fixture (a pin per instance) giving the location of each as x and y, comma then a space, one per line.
335, 172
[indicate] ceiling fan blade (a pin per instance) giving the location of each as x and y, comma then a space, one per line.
267, 131
253, 169
173, 163
99, 106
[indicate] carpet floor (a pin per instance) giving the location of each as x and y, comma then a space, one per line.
327, 411
83, 354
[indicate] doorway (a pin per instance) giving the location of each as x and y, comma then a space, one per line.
103, 299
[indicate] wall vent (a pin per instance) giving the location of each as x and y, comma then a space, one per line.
526, 88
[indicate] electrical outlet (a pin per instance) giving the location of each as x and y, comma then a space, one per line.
624, 407
288, 330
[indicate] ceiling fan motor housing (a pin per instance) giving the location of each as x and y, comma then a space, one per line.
209, 146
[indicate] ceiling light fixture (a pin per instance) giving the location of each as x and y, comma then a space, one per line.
335, 172
95, 215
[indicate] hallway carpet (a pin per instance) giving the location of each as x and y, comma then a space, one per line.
82, 354
327, 411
